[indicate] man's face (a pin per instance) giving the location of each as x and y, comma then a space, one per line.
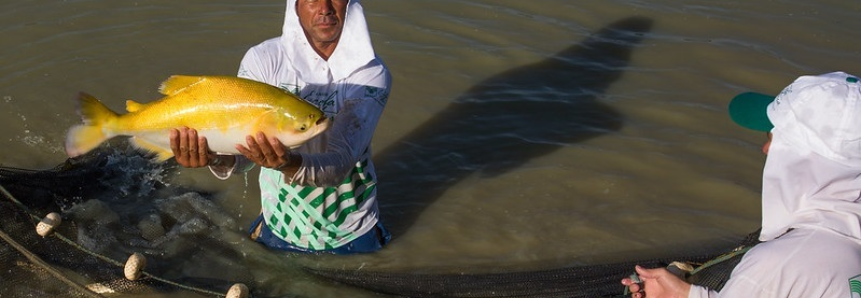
322, 20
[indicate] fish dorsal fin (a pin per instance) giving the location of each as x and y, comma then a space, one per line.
176, 83
133, 106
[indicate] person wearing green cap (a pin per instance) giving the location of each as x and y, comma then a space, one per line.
811, 197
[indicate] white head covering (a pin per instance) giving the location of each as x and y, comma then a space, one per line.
354, 48
812, 175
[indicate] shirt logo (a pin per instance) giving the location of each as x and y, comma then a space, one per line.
323, 100
855, 286
377, 94
292, 88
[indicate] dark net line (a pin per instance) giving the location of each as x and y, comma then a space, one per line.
56, 266
110, 270
592, 281
61, 270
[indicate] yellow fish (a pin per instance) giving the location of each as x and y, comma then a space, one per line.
224, 109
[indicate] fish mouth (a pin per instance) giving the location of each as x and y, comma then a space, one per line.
322, 123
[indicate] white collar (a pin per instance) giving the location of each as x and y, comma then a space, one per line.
353, 52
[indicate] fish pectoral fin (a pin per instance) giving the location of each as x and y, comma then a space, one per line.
176, 83
269, 119
162, 154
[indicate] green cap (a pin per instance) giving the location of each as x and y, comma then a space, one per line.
749, 110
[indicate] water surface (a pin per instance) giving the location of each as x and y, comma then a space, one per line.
519, 134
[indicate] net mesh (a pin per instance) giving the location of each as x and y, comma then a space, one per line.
100, 196
49, 267
590, 281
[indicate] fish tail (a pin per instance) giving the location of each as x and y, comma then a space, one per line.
83, 138
93, 111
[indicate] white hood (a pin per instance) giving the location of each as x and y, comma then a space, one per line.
802, 188
354, 48
812, 175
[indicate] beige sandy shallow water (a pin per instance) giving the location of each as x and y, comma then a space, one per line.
519, 134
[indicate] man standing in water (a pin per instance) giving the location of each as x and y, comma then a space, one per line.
322, 196
811, 197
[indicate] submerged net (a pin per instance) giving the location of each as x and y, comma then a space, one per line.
99, 196
115, 202
49, 267
592, 281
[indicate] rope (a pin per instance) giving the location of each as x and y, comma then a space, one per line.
45, 266
735, 252
58, 275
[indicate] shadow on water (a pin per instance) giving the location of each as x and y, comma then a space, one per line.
507, 120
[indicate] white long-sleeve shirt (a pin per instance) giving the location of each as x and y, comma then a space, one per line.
332, 198
804, 263
811, 187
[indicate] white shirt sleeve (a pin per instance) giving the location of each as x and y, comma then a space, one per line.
807, 262
701, 292
240, 165
348, 140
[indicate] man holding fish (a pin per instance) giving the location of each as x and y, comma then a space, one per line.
321, 196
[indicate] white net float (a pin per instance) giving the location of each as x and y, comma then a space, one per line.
47, 225
237, 291
134, 266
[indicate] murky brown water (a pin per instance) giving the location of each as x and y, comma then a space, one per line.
520, 134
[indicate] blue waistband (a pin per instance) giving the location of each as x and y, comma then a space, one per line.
371, 241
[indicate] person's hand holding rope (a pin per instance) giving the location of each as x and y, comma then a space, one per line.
658, 283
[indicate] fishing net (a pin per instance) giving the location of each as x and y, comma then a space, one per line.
99, 197
116, 202
592, 281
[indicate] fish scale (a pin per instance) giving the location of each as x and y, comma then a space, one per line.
223, 109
